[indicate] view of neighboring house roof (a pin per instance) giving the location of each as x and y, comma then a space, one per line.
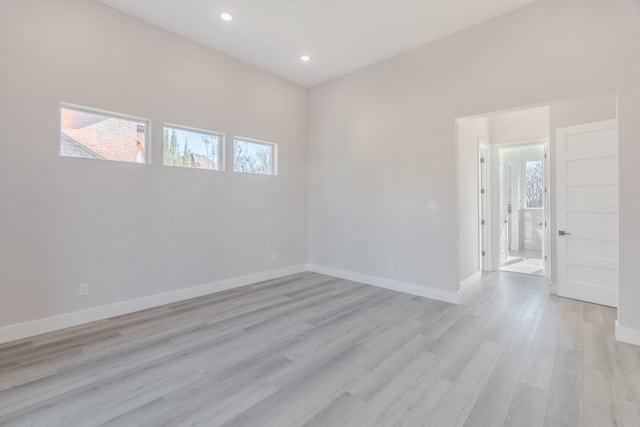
69, 147
71, 118
203, 162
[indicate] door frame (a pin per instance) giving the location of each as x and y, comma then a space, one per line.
485, 242
495, 200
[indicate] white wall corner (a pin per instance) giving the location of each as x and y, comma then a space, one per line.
381, 282
627, 334
68, 320
470, 289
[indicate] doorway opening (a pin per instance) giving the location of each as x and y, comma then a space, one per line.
500, 229
522, 207
500, 155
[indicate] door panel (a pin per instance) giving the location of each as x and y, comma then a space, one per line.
589, 220
587, 210
591, 248
603, 193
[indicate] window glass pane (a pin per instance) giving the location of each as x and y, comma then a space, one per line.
253, 157
103, 136
534, 181
190, 148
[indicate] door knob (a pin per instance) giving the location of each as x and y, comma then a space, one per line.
563, 233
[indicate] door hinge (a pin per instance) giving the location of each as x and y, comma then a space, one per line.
482, 191
484, 253
545, 258
482, 222
545, 155
481, 159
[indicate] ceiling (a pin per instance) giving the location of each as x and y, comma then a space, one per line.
340, 36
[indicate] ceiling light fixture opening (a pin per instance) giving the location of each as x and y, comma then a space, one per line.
226, 16
305, 58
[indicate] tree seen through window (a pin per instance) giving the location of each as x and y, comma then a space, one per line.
534, 183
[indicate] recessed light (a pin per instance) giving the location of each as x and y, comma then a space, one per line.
226, 16
305, 58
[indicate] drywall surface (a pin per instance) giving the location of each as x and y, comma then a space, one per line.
470, 131
132, 231
581, 111
382, 140
517, 126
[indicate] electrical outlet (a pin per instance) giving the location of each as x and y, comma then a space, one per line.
83, 290
391, 264
274, 257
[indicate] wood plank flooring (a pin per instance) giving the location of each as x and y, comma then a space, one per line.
318, 351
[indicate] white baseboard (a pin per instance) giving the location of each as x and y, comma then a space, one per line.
628, 335
50, 324
470, 281
470, 289
381, 282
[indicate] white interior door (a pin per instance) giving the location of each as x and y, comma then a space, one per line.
587, 212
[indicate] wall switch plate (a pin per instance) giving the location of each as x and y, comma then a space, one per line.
433, 206
83, 290
274, 257
391, 264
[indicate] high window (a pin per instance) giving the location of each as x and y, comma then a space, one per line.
95, 134
256, 157
192, 148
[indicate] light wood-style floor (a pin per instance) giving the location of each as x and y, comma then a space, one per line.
317, 351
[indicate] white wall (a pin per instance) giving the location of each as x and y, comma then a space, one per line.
469, 133
516, 126
382, 145
129, 230
581, 111
382, 141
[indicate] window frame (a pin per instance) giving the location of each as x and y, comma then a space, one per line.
98, 111
274, 155
221, 145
